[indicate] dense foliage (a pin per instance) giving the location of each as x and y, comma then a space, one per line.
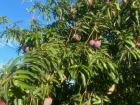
89, 55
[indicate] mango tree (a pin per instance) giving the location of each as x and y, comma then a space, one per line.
89, 55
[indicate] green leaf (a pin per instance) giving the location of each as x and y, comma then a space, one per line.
83, 79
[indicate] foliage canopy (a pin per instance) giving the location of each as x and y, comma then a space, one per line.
89, 55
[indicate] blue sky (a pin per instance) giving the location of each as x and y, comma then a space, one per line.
15, 10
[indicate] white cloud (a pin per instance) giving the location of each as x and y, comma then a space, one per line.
10, 43
1, 66
1, 45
